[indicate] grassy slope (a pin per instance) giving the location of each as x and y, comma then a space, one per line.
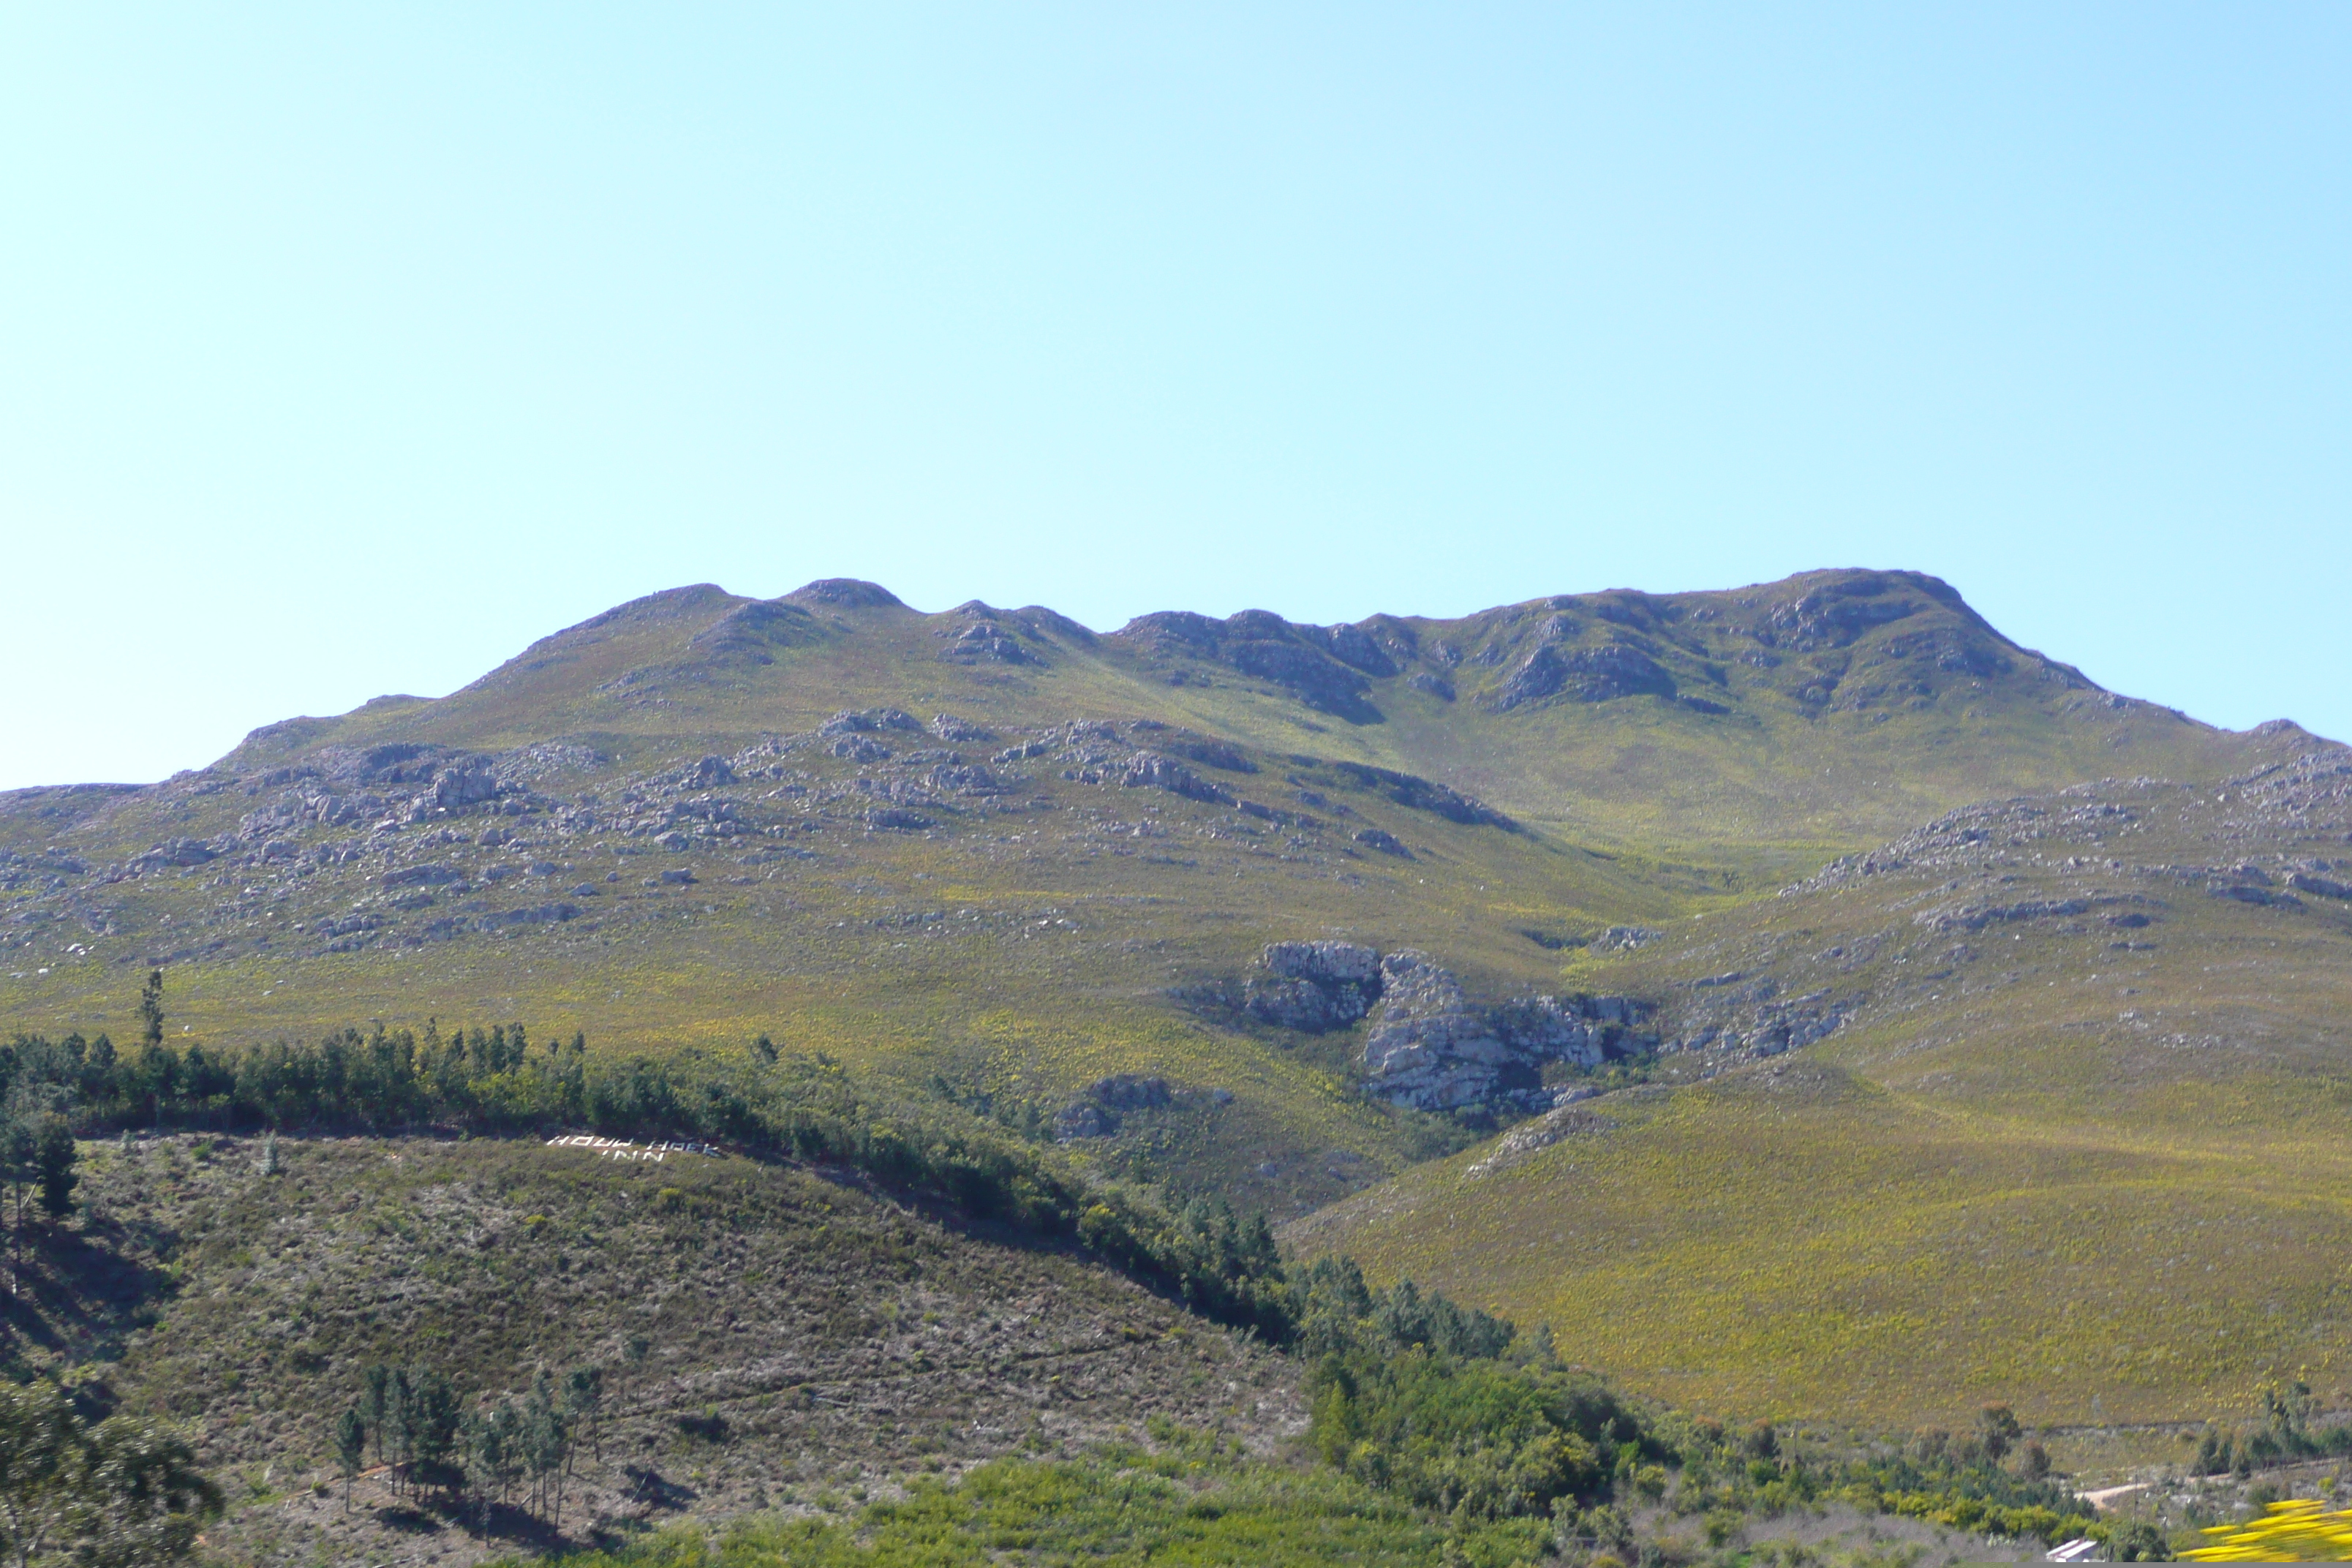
2096, 1171
839, 1339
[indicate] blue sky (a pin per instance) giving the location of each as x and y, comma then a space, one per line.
346, 350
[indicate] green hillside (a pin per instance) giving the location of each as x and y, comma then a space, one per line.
2079, 1140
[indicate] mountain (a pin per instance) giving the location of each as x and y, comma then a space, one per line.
1245, 907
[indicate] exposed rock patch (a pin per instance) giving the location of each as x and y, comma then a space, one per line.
1586, 674
1314, 987
1153, 770
1428, 1045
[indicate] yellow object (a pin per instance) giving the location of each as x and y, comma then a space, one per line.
2299, 1529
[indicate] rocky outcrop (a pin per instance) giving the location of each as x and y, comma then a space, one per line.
704, 772
1751, 1020
1431, 1048
176, 852
1836, 615
1567, 1121
1153, 770
1586, 674
867, 720
959, 732
1581, 1029
1428, 1044
1428, 1048
985, 642
455, 788
1314, 987
2312, 882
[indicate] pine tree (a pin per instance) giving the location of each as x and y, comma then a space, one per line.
19, 1167
434, 1415
151, 1008
53, 1158
584, 1400
545, 1439
373, 1402
350, 1448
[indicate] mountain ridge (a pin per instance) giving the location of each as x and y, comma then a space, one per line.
1596, 711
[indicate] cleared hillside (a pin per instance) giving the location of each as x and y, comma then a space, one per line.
775, 1336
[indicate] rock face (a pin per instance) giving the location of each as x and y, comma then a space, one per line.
1586, 674
1314, 987
867, 719
1151, 770
1429, 1046
978, 642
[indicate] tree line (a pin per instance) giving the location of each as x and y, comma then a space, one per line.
802, 1107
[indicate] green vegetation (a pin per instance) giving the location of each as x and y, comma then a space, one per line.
429, 1432
506, 1255
1196, 1502
123, 1492
2284, 1435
